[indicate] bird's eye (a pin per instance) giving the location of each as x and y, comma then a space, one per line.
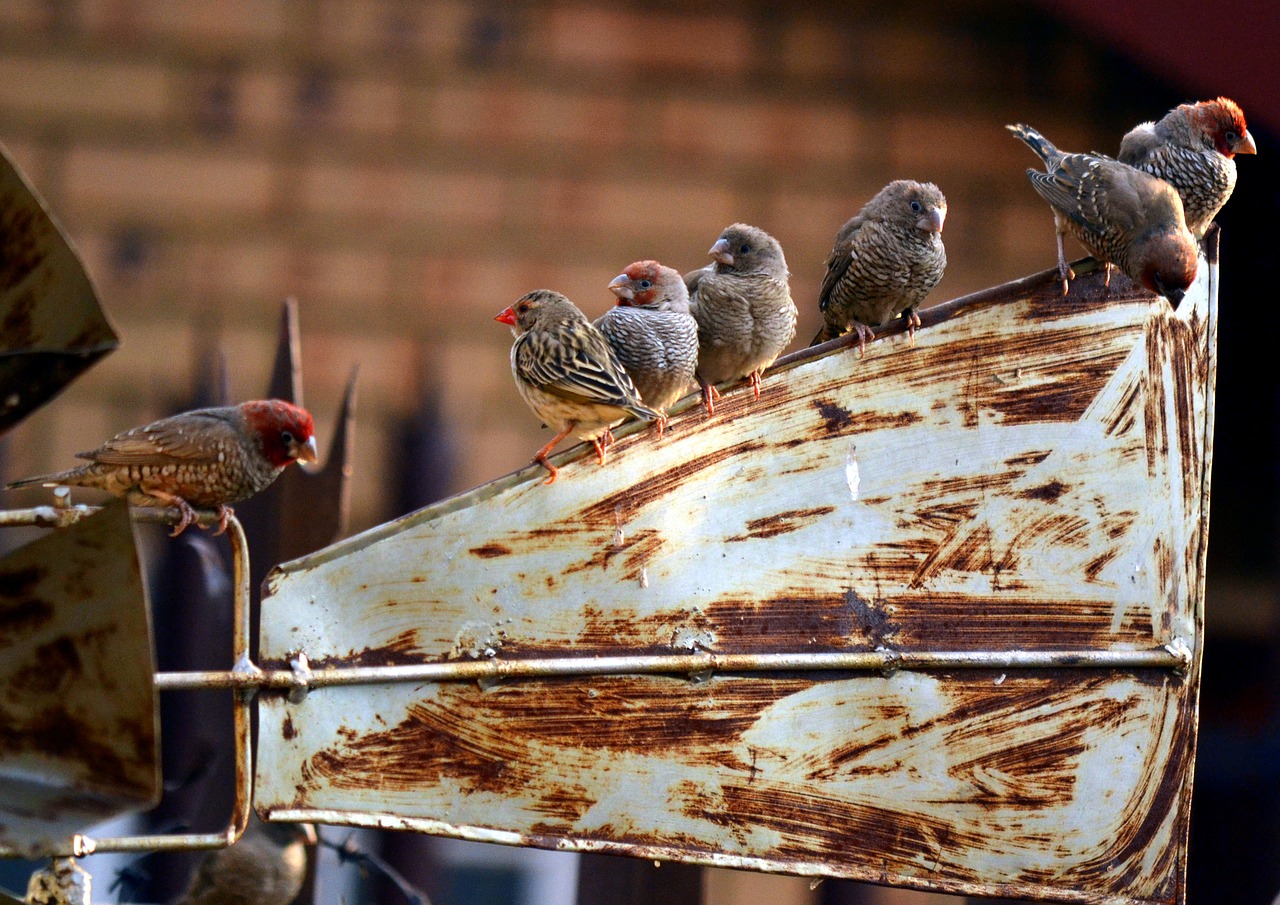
744, 250
645, 284
1232, 138
286, 437
916, 207
523, 307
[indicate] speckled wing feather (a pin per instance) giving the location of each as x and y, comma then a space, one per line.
839, 260
182, 439
1074, 188
583, 371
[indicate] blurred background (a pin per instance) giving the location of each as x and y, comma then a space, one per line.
407, 168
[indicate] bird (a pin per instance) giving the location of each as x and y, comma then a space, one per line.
652, 333
1122, 215
886, 259
742, 303
206, 458
266, 866
1193, 148
567, 373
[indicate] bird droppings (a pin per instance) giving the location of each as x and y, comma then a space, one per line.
852, 477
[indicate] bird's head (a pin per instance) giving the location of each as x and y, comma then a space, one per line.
539, 305
911, 204
1168, 264
648, 284
748, 249
286, 431
1222, 122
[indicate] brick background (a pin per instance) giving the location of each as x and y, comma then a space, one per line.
406, 169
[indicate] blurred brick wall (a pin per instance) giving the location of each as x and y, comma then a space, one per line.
407, 169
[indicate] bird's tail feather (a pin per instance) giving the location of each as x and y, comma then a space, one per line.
40, 480
1044, 148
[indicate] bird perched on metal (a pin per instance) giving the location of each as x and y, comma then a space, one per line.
885, 261
567, 373
205, 458
1122, 215
266, 866
1193, 149
742, 303
652, 333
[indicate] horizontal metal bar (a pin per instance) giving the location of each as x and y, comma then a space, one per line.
63, 516
881, 660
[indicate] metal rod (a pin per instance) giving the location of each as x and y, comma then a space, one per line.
250, 676
683, 664
60, 517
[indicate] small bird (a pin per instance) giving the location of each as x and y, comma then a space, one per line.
652, 333
567, 373
742, 303
885, 261
205, 458
266, 866
1193, 149
1122, 215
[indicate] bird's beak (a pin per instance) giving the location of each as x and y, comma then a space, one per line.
720, 251
1173, 295
622, 289
306, 452
932, 220
1245, 145
508, 316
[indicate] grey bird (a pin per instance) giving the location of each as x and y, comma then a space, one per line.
742, 303
886, 260
652, 333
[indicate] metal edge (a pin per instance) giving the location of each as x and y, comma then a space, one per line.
374, 820
929, 316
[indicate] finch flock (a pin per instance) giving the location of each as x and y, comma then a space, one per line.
1144, 211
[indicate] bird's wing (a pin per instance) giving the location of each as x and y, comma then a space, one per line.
185, 438
1138, 143
840, 258
577, 367
692, 279
1072, 188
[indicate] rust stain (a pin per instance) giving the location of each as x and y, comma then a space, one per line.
870, 617
836, 419
27, 615
25, 234
782, 523
653, 489
491, 551
287, 730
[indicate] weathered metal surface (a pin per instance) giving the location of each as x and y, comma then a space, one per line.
77, 700
51, 325
1026, 487
21, 597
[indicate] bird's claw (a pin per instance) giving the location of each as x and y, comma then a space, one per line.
865, 334
188, 517
913, 324
755, 384
709, 396
224, 512
552, 471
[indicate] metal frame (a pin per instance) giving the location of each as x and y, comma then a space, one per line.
80, 845
245, 677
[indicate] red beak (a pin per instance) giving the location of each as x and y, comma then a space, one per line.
508, 316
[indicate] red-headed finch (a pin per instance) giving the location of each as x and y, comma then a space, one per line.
885, 261
567, 373
652, 332
1122, 215
1193, 149
266, 866
742, 303
205, 458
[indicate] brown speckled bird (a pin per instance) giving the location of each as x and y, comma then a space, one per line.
205, 458
652, 333
567, 373
742, 303
1122, 215
266, 866
885, 261
1193, 149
